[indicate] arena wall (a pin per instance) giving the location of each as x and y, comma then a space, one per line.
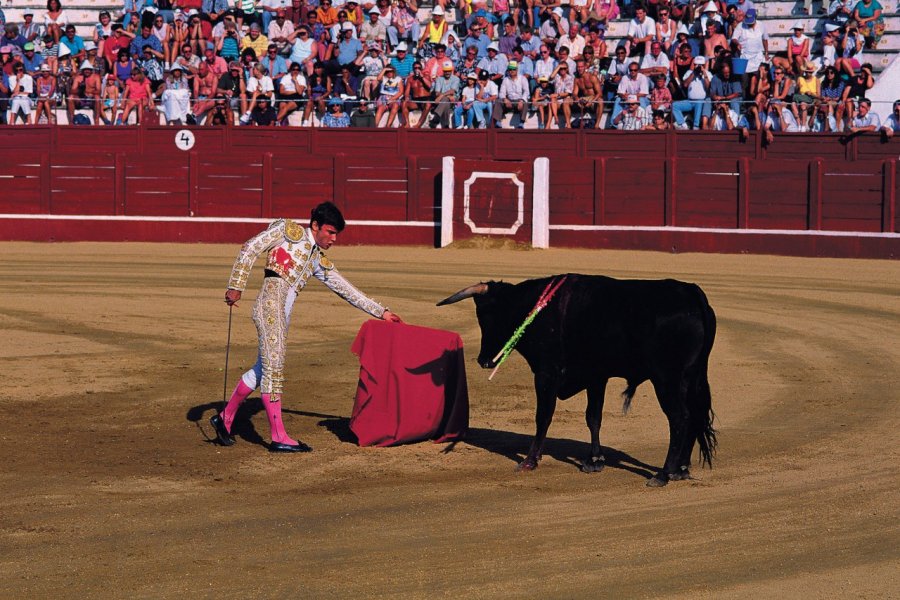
804, 194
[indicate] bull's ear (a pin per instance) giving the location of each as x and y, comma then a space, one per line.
472, 290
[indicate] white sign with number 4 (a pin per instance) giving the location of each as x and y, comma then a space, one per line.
184, 139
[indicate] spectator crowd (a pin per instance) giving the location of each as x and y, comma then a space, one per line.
682, 64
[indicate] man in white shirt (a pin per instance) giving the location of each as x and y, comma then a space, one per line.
865, 120
634, 118
574, 41
696, 82
641, 30
723, 118
21, 86
892, 123
656, 63
634, 84
513, 96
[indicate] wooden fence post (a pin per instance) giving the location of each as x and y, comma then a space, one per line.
194, 184
119, 174
814, 210
600, 191
412, 188
268, 179
889, 196
669, 191
340, 181
743, 199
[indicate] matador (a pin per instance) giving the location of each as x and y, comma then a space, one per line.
293, 255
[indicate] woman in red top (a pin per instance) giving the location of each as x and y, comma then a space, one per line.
137, 95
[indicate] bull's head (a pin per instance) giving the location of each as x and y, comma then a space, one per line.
495, 317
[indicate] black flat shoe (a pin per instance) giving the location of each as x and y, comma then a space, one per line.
222, 436
279, 447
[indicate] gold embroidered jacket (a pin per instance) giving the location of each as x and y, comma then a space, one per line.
292, 253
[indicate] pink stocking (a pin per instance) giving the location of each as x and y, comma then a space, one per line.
237, 398
273, 411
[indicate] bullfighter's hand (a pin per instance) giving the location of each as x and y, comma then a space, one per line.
389, 316
232, 297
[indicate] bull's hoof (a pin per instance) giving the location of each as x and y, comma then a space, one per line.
527, 465
681, 475
658, 481
594, 464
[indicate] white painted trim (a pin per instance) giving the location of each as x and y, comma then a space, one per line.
198, 220
807, 232
540, 204
520, 209
447, 191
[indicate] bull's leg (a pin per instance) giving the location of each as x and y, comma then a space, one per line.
673, 400
593, 416
546, 405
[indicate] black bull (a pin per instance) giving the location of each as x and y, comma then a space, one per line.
595, 328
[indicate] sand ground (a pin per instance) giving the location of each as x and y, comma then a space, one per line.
112, 362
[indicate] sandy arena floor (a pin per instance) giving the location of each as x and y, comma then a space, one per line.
112, 361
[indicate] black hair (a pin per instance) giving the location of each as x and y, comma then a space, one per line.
327, 213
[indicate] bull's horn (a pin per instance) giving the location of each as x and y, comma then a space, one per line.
472, 290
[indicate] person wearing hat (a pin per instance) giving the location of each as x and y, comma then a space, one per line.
374, 29
85, 92
752, 42
404, 23
641, 30
466, 104
390, 95
797, 52
807, 93
494, 63
696, 84
540, 101
255, 40
335, 116
372, 65
435, 30
513, 97
30, 30
45, 90
31, 59
563, 95
634, 118
709, 13
349, 51
175, 96
403, 61
445, 90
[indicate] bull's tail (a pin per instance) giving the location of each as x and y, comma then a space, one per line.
700, 397
627, 395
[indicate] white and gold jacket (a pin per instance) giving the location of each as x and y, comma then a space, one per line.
294, 255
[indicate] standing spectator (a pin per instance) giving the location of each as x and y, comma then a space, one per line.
641, 31
466, 104
634, 118
21, 87
445, 91
485, 98
751, 42
336, 117
45, 88
137, 96
55, 19
292, 90
727, 88
713, 40
391, 95
513, 97
363, 116
696, 84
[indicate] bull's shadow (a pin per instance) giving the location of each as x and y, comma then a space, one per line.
514, 446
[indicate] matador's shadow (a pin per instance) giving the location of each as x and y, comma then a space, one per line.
513, 446
243, 426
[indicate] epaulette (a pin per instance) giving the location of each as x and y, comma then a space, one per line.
293, 231
325, 262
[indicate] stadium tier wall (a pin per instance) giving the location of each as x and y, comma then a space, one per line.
804, 194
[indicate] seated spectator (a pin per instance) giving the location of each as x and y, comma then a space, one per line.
588, 92
477, 39
466, 104
831, 41
864, 120
513, 97
868, 16
12, 37
373, 30
540, 101
696, 85
363, 116
318, 87
494, 63
655, 63
856, 90
390, 95
418, 94
433, 68
660, 95
346, 87
85, 93
563, 90
32, 60
246, 14
21, 87
262, 114
274, 63
163, 33
433, 33
712, 39
851, 56
291, 91
723, 118
91, 56
806, 95
403, 61
822, 121
727, 88
73, 43
326, 14
666, 30
45, 88
220, 114
445, 89
335, 117
348, 51
152, 68
797, 53
143, 41
635, 84
635, 117
205, 86
228, 46
658, 121
190, 62
304, 49
114, 45
55, 19
831, 89
178, 34
137, 96
485, 98
259, 85
30, 30
372, 65
255, 40
404, 23
892, 123
573, 41
453, 45
280, 32
175, 97
641, 31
